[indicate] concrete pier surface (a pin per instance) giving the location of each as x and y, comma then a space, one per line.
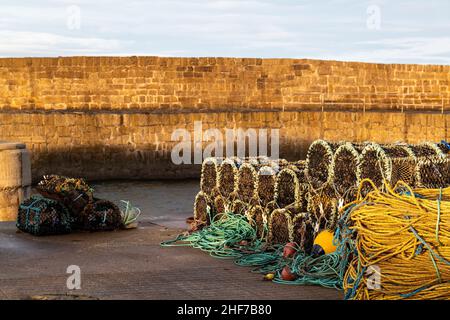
129, 264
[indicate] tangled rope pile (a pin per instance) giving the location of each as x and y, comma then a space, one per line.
402, 243
223, 238
259, 207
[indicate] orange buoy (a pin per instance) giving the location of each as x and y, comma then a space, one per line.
323, 243
287, 275
289, 249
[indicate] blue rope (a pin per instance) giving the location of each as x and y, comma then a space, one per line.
408, 295
446, 144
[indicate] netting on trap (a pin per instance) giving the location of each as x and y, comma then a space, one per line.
221, 205
426, 149
299, 167
280, 227
247, 188
322, 207
101, 215
404, 169
41, 216
343, 169
257, 216
287, 190
433, 173
297, 225
208, 178
74, 193
228, 176
201, 208
265, 188
308, 234
318, 162
239, 207
375, 162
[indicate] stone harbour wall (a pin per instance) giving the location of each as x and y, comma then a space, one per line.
113, 117
161, 84
101, 146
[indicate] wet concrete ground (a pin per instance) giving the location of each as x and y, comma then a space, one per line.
130, 264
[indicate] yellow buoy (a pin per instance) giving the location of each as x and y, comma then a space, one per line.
323, 243
269, 277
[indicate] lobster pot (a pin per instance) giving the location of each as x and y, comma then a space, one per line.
265, 187
403, 169
101, 215
201, 208
258, 217
74, 193
279, 164
208, 179
255, 161
375, 162
308, 234
297, 225
247, 186
239, 207
300, 169
318, 162
287, 190
221, 205
433, 173
280, 227
344, 167
228, 177
40, 216
322, 207
426, 149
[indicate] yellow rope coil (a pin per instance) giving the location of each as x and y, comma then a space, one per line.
405, 240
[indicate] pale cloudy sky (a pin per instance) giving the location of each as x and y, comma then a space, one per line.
396, 31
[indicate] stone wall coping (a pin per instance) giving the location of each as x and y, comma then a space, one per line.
7, 145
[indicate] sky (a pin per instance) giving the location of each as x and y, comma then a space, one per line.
395, 31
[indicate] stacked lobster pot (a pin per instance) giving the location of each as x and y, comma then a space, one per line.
289, 203
322, 198
294, 201
67, 204
402, 162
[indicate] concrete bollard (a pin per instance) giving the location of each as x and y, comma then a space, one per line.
15, 178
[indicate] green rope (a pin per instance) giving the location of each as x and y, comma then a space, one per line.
265, 261
221, 238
